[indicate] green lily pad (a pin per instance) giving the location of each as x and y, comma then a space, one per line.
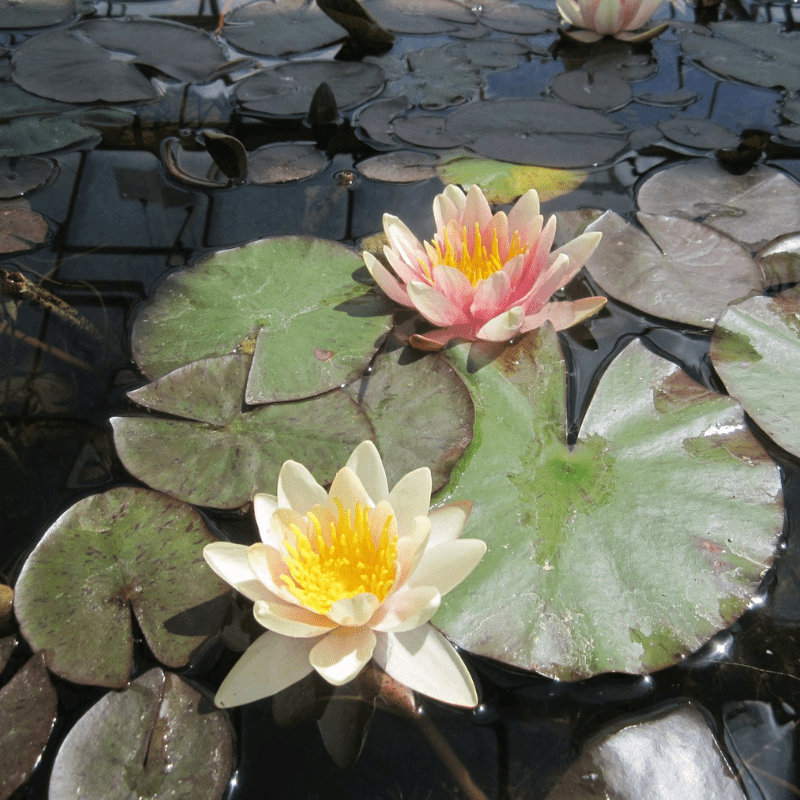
30, 135
291, 299
19, 176
28, 711
683, 271
502, 182
407, 392
124, 547
160, 739
755, 349
590, 567
217, 455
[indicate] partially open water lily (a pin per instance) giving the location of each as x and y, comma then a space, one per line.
483, 276
343, 577
619, 18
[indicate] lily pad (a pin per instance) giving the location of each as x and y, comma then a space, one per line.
28, 712
403, 388
420, 16
589, 90
40, 14
30, 135
780, 260
283, 162
277, 27
543, 132
489, 53
124, 547
683, 271
756, 351
83, 63
401, 166
589, 568
219, 456
642, 760
699, 133
287, 89
19, 176
751, 208
518, 18
21, 229
168, 737
292, 299
502, 182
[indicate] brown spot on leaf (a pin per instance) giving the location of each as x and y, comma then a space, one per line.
322, 355
678, 391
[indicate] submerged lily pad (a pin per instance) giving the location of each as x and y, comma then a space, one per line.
127, 549
292, 299
751, 208
219, 456
160, 739
589, 568
756, 351
683, 271
18, 176
28, 712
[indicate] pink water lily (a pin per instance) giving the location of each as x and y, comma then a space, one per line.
618, 18
346, 576
483, 276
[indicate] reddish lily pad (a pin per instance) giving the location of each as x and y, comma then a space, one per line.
401, 166
28, 712
127, 549
582, 576
159, 738
217, 455
21, 229
283, 162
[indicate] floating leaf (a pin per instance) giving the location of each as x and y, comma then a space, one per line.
283, 162
489, 53
39, 14
31, 135
21, 229
28, 711
699, 133
291, 298
502, 182
589, 90
287, 89
220, 456
517, 18
683, 271
590, 568
420, 16
752, 208
192, 166
756, 351
18, 176
675, 755
400, 166
780, 260
126, 546
277, 27
160, 739
405, 389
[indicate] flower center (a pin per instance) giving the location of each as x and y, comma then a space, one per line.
475, 259
342, 564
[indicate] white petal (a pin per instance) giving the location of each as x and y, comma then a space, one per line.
290, 620
268, 565
297, 488
477, 209
447, 522
269, 665
354, 611
407, 609
643, 13
426, 662
504, 326
402, 240
229, 561
446, 565
366, 462
447, 206
348, 490
342, 654
578, 249
525, 209
410, 549
264, 506
411, 497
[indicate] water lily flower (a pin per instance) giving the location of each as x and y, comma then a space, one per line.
346, 576
483, 276
616, 18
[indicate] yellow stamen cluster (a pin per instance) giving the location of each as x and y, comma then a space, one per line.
475, 261
342, 564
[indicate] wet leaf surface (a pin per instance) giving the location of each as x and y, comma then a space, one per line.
171, 740
27, 714
30, 135
780, 260
678, 269
755, 349
99, 59
673, 756
287, 89
125, 550
21, 229
752, 208
401, 166
698, 133
18, 176
581, 576
218, 455
279, 163
273, 28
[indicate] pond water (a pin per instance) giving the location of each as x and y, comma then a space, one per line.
130, 149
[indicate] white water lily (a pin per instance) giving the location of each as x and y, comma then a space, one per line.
343, 577
622, 19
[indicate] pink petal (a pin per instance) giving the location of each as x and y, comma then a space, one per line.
526, 209
402, 240
586, 37
558, 274
492, 296
269, 665
454, 285
446, 565
447, 206
498, 226
290, 620
354, 611
342, 654
426, 662
366, 462
297, 488
407, 609
447, 522
645, 10
436, 340
434, 306
407, 271
388, 283
642, 36
515, 269
607, 17
503, 327
579, 249
477, 209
